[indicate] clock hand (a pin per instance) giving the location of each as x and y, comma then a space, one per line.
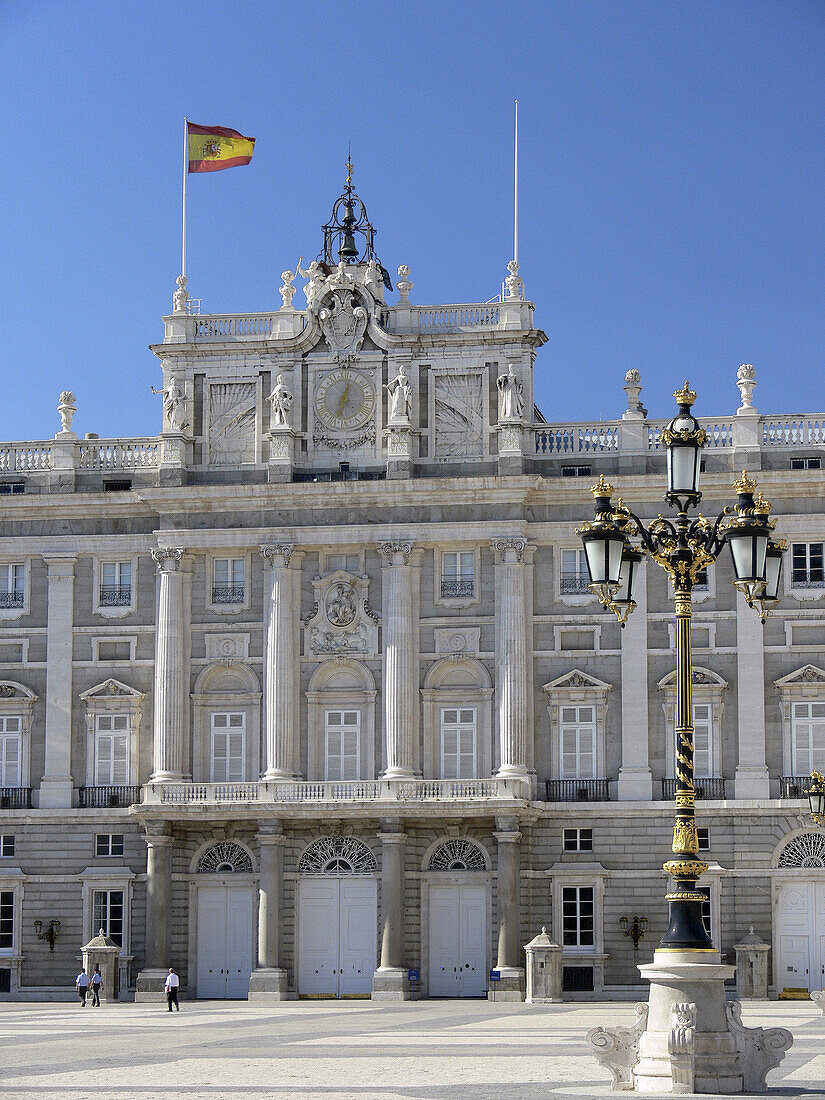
343, 400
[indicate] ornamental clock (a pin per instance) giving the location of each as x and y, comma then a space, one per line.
344, 399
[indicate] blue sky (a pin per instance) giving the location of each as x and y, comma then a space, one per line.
672, 168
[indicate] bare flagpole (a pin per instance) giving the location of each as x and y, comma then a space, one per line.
515, 190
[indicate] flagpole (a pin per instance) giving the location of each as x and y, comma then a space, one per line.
515, 191
185, 174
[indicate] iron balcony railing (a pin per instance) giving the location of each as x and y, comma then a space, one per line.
794, 786
575, 584
15, 798
11, 599
457, 588
228, 593
103, 797
577, 790
115, 595
705, 788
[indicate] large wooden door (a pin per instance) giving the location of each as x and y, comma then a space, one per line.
337, 942
800, 938
457, 941
226, 919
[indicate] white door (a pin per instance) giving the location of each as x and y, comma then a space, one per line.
457, 941
226, 919
337, 919
800, 920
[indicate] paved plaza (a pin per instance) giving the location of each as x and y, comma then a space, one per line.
461, 1050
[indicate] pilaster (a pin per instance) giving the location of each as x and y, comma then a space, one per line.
159, 843
752, 777
510, 986
57, 785
635, 781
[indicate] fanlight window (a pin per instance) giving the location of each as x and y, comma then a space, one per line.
805, 850
457, 855
225, 858
337, 855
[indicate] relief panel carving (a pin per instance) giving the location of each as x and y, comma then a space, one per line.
341, 622
232, 408
459, 415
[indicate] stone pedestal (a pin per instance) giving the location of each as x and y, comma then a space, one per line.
400, 442
390, 981
175, 458
752, 976
281, 453
543, 970
512, 440
103, 952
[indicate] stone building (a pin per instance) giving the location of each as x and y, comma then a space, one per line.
308, 692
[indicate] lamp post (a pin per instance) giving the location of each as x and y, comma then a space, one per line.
615, 543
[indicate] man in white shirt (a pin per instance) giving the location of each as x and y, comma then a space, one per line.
81, 984
172, 983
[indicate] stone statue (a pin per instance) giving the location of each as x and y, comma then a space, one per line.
67, 408
287, 290
510, 396
373, 278
280, 401
174, 405
514, 282
181, 295
316, 276
400, 392
404, 285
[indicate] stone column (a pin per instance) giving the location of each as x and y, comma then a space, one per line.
171, 668
269, 980
635, 781
57, 785
511, 658
281, 662
159, 842
400, 661
510, 987
752, 778
390, 981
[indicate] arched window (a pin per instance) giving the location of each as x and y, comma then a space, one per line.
226, 746
341, 721
225, 858
458, 735
337, 855
804, 850
457, 855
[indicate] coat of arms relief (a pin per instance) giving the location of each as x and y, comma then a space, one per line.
341, 622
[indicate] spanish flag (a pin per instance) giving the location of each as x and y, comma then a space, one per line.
212, 148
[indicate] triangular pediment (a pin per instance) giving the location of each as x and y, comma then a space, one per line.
576, 680
111, 689
808, 674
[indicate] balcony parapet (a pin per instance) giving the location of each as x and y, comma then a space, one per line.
355, 791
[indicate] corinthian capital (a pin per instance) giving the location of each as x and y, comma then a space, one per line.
395, 553
167, 558
509, 549
278, 554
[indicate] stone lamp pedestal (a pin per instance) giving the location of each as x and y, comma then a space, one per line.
688, 1039
103, 952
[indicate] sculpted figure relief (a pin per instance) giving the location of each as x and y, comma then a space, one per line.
340, 605
400, 392
174, 405
510, 396
280, 401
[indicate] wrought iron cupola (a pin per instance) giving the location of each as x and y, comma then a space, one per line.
349, 235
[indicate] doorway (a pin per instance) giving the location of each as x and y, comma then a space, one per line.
226, 922
337, 940
457, 941
800, 935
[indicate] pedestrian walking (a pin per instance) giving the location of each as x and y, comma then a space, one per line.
96, 984
81, 984
172, 983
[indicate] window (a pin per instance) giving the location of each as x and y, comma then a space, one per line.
11, 750
806, 565
12, 488
808, 737
702, 582
109, 844
458, 743
119, 485
342, 735
704, 839
577, 840
6, 920
349, 563
577, 916
806, 463
107, 913
457, 574
706, 918
228, 746
228, 580
576, 471
12, 585
578, 742
574, 575
115, 583
111, 750
111, 649
702, 740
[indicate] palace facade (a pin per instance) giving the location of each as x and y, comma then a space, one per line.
308, 695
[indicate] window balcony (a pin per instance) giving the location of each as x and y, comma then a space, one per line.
228, 593
12, 599
457, 589
800, 580
107, 797
575, 584
115, 595
577, 790
15, 798
705, 788
794, 786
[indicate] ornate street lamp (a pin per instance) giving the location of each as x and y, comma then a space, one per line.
683, 546
816, 798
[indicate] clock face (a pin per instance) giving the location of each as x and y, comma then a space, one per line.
344, 399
